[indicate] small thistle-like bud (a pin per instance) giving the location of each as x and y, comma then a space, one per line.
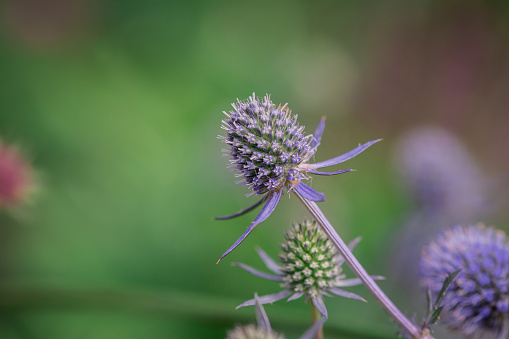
477, 302
16, 181
310, 266
309, 260
266, 143
253, 332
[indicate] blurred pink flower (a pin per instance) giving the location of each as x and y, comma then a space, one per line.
16, 179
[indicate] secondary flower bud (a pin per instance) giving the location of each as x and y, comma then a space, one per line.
310, 261
310, 267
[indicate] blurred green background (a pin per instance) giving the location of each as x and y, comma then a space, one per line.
117, 106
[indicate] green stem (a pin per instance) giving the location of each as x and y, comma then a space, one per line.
315, 316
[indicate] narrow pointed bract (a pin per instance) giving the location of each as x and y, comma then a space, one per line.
295, 296
261, 316
270, 151
244, 211
346, 294
344, 157
320, 305
330, 173
356, 281
309, 193
266, 211
317, 136
313, 330
267, 299
260, 274
269, 262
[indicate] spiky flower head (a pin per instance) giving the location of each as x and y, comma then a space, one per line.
310, 261
253, 332
477, 302
270, 150
310, 266
267, 144
16, 179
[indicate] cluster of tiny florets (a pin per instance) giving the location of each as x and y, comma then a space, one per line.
310, 261
252, 332
266, 143
477, 302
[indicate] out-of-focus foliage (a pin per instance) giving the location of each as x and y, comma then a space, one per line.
117, 105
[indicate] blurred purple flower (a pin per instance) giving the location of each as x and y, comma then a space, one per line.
269, 149
477, 302
446, 186
440, 174
310, 267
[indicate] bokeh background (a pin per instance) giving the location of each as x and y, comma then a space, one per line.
116, 106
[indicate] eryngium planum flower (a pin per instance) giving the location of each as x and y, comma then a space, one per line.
310, 267
270, 151
477, 302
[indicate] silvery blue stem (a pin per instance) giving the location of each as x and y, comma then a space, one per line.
403, 322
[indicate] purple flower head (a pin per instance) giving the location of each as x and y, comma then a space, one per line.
270, 150
310, 266
477, 302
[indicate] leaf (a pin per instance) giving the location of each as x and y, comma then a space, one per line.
435, 316
448, 281
434, 311
429, 303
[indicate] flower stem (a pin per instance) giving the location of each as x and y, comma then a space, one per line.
403, 322
315, 316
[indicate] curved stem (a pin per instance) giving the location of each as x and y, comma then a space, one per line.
315, 316
400, 319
